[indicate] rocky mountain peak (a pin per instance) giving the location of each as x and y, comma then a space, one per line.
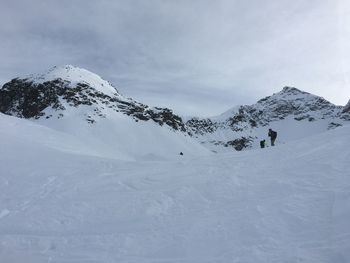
292, 91
292, 101
288, 94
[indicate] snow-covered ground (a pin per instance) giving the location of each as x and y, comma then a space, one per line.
289, 130
63, 201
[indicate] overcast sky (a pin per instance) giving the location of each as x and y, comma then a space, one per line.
199, 57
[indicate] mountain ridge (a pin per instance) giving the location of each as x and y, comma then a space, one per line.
68, 90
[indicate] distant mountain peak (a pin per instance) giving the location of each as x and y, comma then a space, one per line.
75, 75
242, 126
291, 95
292, 90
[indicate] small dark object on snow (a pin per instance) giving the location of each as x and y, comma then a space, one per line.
181, 153
262, 143
273, 135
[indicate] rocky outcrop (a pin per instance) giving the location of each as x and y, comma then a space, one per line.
24, 99
346, 112
201, 126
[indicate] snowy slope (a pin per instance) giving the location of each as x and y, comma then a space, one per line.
117, 137
289, 203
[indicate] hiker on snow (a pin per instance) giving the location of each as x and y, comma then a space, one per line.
273, 135
262, 144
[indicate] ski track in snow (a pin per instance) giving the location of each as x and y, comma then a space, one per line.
290, 203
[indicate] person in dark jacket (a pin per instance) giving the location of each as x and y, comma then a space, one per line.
262, 143
273, 135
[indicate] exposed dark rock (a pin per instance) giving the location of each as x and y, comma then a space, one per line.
292, 91
201, 126
347, 108
334, 125
24, 99
303, 117
240, 144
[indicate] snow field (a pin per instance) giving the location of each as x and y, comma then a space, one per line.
289, 203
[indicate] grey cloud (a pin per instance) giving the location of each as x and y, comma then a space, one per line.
199, 56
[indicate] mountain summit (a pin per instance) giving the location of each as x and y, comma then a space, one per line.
75, 75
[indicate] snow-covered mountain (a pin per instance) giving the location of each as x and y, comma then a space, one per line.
291, 112
79, 104
62, 90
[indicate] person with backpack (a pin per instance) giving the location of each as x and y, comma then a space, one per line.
273, 135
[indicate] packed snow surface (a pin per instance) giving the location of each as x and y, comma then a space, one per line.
289, 203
